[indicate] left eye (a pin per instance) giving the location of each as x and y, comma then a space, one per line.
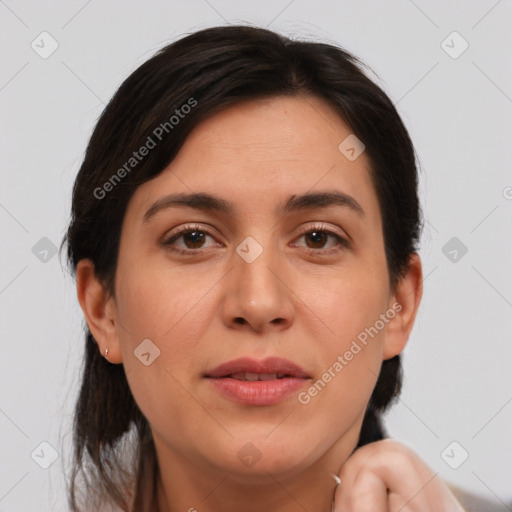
318, 237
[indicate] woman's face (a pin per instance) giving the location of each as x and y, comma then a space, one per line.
264, 277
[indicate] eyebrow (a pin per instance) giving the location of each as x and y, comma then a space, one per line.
208, 202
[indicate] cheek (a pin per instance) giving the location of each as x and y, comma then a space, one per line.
150, 308
164, 306
351, 334
159, 303
338, 395
347, 305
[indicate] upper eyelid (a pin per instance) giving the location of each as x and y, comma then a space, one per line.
320, 225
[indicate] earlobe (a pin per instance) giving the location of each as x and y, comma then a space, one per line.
405, 302
98, 309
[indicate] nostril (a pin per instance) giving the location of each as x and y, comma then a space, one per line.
239, 320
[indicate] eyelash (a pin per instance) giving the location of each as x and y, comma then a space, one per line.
341, 245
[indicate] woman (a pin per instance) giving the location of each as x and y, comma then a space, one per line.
244, 233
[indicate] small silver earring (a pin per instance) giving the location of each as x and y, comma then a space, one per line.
106, 353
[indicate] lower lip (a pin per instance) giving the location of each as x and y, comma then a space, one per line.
258, 392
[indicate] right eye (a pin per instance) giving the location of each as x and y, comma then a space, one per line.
193, 238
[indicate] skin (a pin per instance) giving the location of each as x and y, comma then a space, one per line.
295, 303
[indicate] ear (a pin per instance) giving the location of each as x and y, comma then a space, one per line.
405, 303
99, 310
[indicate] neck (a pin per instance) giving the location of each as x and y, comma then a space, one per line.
182, 484
270, 494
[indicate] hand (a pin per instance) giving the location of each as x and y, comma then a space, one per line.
386, 476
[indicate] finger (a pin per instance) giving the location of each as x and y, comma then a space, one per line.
364, 492
401, 472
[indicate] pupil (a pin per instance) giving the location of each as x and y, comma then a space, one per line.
318, 237
196, 237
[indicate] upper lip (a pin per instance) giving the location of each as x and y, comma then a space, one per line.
267, 365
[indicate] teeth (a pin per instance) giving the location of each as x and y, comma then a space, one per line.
256, 376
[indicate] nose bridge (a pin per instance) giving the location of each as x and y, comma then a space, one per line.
256, 263
256, 292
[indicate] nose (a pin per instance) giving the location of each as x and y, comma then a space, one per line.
257, 296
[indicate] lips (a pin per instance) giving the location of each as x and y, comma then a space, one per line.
258, 376
251, 369
257, 383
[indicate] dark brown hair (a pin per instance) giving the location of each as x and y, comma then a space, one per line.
211, 70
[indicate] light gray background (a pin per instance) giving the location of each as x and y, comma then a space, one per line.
458, 384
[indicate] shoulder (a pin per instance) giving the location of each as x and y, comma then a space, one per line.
475, 503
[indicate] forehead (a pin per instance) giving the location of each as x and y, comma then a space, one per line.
266, 149
271, 128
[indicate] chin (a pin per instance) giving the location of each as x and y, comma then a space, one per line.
254, 458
